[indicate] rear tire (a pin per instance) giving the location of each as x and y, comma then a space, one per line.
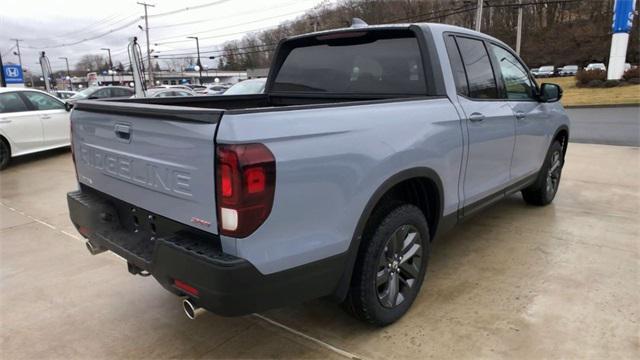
5, 154
544, 190
391, 264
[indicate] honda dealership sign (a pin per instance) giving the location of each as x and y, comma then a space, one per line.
623, 13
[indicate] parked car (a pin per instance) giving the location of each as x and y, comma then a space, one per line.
251, 86
30, 121
184, 87
167, 92
101, 92
214, 89
568, 70
546, 71
596, 66
534, 72
196, 88
367, 144
64, 94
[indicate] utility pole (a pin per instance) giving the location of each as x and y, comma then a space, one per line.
110, 64
479, 15
146, 29
68, 72
18, 50
519, 30
199, 63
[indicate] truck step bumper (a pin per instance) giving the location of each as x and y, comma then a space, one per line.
225, 284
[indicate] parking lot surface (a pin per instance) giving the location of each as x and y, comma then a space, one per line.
614, 125
516, 281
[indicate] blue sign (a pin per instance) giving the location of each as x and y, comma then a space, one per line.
13, 74
623, 11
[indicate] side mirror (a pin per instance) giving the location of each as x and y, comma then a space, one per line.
68, 106
550, 92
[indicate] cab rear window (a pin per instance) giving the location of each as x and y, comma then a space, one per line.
359, 65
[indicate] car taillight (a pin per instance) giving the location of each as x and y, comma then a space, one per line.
246, 180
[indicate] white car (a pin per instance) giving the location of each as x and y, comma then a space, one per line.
546, 71
30, 121
213, 89
246, 87
168, 92
596, 66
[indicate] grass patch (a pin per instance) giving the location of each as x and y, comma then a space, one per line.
575, 96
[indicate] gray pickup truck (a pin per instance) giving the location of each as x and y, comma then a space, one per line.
368, 143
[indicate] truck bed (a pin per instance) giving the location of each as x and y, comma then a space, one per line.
238, 102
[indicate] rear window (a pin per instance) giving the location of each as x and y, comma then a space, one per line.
365, 65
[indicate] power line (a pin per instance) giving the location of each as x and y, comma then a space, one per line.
221, 50
189, 8
222, 28
86, 39
295, 2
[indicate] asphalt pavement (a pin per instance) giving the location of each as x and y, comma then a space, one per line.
518, 282
619, 125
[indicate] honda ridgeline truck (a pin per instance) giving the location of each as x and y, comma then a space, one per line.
368, 143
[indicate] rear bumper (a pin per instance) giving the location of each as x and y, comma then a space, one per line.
227, 285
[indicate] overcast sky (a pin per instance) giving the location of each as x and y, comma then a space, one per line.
72, 28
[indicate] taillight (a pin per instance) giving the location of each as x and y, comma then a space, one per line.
246, 180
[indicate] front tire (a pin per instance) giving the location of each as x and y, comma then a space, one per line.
544, 190
391, 265
5, 154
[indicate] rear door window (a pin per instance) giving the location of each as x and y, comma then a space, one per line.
119, 92
43, 101
356, 66
457, 68
11, 102
482, 82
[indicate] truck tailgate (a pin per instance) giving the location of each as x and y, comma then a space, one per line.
158, 158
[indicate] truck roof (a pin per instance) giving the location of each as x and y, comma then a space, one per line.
436, 28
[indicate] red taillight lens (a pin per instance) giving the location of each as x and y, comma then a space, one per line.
245, 187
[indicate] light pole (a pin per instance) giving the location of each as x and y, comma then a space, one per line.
199, 63
66, 60
110, 64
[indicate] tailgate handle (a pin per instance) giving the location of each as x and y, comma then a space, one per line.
123, 132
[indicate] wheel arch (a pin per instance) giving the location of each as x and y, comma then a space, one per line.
6, 140
561, 134
401, 181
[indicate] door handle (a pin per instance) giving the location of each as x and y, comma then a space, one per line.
476, 117
44, 117
520, 115
4, 121
123, 132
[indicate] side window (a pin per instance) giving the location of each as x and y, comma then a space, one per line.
102, 93
457, 68
482, 82
117, 92
515, 76
11, 102
43, 101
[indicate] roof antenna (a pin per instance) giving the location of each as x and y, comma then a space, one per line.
358, 23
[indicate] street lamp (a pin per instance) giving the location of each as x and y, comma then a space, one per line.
110, 64
199, 63
68, 74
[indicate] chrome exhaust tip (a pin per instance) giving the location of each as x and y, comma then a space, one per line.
94, 249
192, 310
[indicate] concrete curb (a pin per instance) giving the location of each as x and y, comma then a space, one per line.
600, 106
